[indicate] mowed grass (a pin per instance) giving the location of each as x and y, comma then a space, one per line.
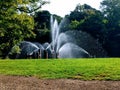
83, 69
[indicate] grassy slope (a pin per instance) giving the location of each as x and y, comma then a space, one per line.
84, 69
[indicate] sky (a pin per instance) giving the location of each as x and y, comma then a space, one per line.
63, 7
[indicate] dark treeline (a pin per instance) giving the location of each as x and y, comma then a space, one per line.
22, 20
103, 25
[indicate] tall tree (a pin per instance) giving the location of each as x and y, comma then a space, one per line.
88, 19
42, 26
111, 11
15, 23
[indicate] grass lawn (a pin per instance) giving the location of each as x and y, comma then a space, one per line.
83, 69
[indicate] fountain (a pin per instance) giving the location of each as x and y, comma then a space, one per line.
64, 44
71, 50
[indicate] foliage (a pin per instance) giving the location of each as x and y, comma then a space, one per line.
111, 11
83, 69
42, 26
14, 26
15, 49
15, 23
22, 20
103, 25
30, 6
88, 19
74, 24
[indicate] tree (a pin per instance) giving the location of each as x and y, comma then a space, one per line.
111, 11
87, 19
15, 23
42, 26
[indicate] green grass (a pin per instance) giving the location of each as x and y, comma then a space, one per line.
83, 69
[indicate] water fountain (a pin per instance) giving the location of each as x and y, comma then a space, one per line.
71, 50
68, 44
63, 45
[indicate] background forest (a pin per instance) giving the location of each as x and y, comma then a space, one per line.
23, 20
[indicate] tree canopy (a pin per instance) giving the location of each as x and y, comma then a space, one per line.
23, 20
15, 22
103, 25
111, 11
